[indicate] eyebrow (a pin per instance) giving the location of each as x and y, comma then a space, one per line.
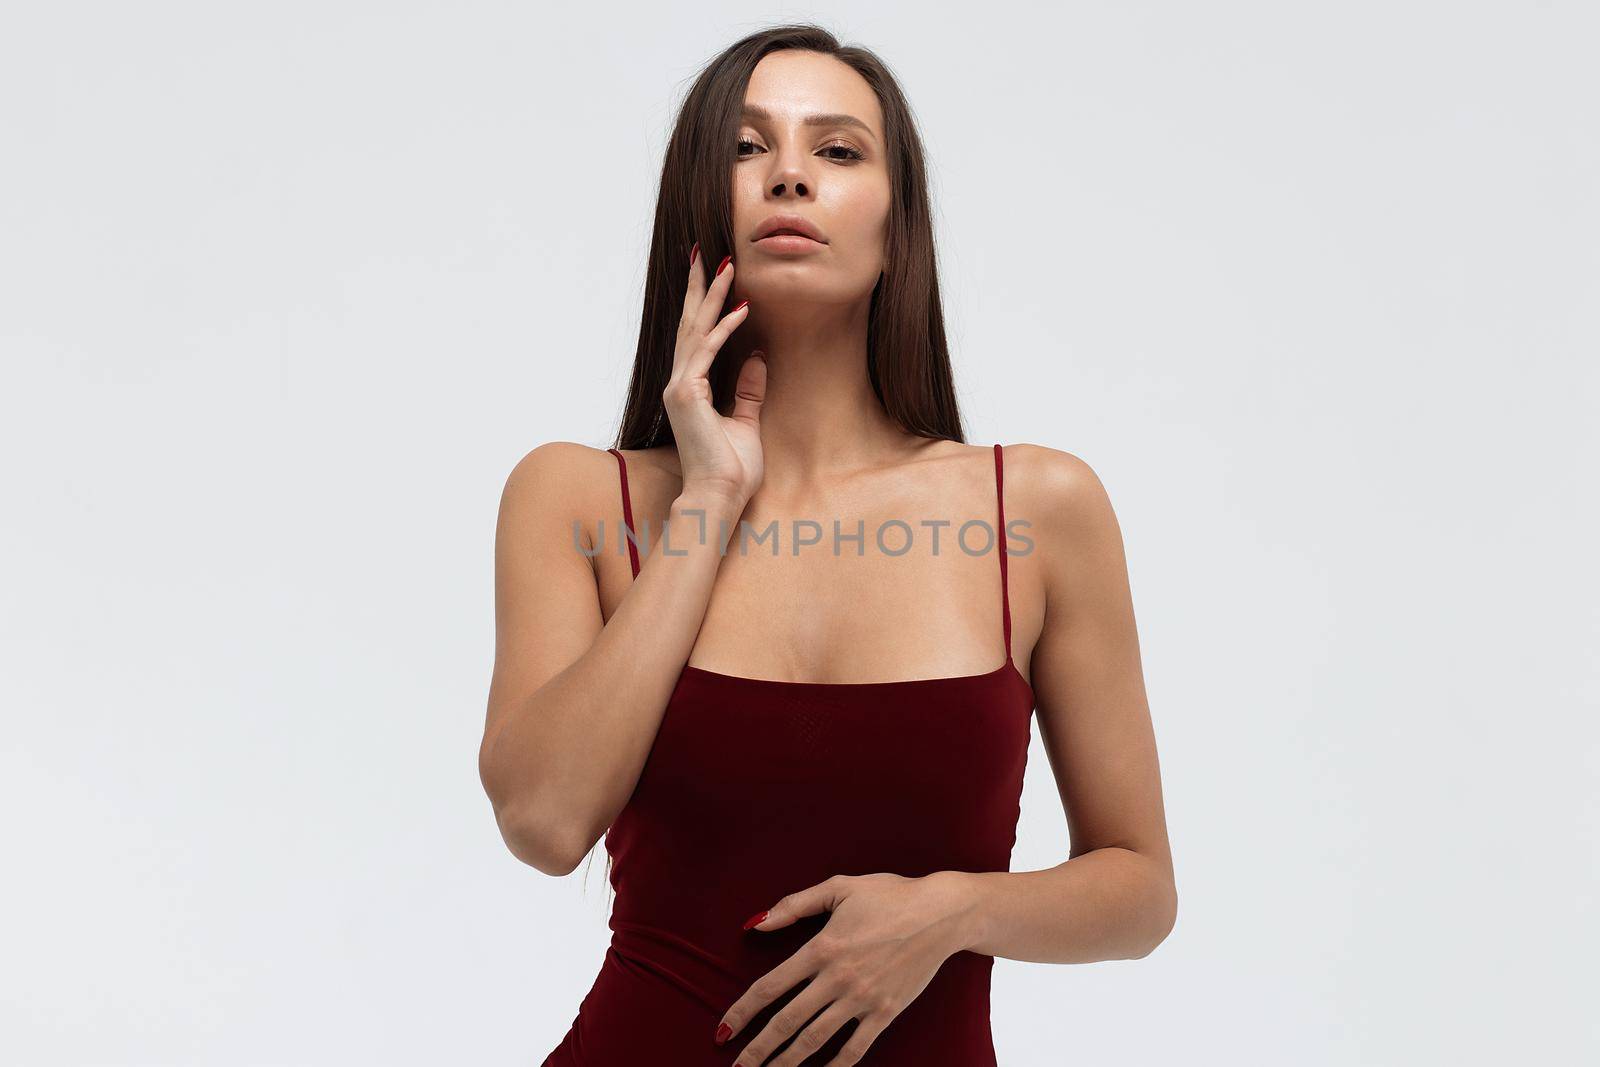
756, 111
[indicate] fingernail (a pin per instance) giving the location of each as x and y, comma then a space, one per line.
694, 253
739, 305
754, 920
723, 264
724, 1031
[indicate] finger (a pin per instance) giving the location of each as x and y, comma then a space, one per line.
696, 290
694, 293
716, 295
824, 896
785, 1023
814, 1036
751, 390
801, 965
705, 352
867, 1031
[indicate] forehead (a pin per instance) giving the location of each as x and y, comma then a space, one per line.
791, 84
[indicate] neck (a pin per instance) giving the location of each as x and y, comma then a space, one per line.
820, 417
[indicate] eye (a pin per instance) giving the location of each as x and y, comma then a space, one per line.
849, 153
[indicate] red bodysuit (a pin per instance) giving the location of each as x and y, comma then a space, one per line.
755, 789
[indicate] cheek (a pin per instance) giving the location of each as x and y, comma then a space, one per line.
749, 206
868, 226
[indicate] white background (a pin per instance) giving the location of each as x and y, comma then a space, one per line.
287, 289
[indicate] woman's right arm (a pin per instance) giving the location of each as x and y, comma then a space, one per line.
575, 703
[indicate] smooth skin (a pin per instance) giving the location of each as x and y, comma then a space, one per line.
577, 696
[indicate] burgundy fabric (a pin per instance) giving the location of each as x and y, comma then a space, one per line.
754, 789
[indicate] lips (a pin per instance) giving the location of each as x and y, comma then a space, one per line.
788, 226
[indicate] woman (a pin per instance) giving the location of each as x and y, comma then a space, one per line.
817, 739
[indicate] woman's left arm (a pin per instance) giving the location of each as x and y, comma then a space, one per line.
1115, 896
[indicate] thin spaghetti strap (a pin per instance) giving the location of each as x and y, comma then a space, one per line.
1005, 592
627, 512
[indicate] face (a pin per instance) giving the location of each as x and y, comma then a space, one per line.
811, 145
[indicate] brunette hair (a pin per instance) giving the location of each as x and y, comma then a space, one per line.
908, 361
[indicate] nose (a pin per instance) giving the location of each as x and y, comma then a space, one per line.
799, 188
790, 173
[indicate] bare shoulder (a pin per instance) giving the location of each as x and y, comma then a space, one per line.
557, 484
556, 473
1056, 491
568, 481
1042, 483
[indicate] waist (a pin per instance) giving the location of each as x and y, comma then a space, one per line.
657, 999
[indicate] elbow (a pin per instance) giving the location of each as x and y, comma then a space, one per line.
551, 849
534, 833
1164, 916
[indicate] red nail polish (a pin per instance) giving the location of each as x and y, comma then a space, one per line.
694, 253
754, 919
724, 1031
739, 305
724, 263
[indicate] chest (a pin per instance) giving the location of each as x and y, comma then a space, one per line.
823, 615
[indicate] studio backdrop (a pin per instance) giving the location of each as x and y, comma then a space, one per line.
287, 290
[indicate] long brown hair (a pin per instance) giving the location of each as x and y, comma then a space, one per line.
908, 362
